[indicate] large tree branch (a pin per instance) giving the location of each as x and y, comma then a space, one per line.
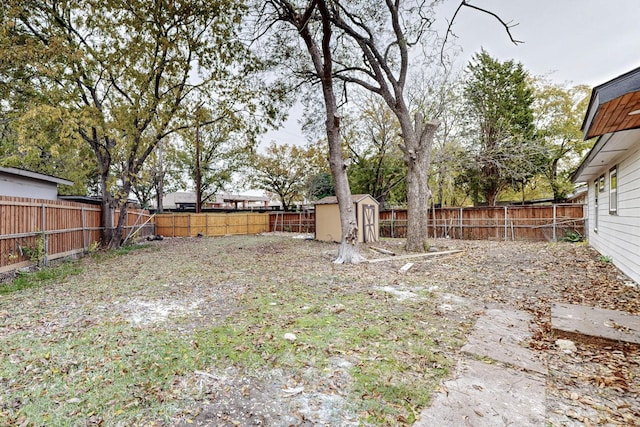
400, 40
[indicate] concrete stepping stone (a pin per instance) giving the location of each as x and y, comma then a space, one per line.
502, 335
596, 322
511, 392
487, 395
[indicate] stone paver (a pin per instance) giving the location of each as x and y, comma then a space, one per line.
487, 395
596, 322
501, 335
508, 388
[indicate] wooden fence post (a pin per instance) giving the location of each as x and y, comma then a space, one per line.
505, 223
82, 220
554, 238
44, 235
393, 217
460, 237
585, 219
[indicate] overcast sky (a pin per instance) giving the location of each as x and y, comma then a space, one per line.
569, 41
576, 41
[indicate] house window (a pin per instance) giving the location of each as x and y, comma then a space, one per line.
600, 184
613, 191
596, 186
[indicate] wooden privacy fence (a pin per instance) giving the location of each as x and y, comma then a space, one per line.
211, 224
42, 230
296, 222
539, 223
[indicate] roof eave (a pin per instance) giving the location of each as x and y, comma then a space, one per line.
35, 175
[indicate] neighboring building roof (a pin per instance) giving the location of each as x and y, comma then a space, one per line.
241, 198
333, 200
90, 200
172, 200
579, 193
179, 197
34, 175
614, 116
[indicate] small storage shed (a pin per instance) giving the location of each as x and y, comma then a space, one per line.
327, 217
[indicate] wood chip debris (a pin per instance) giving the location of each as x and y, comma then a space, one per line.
405, 267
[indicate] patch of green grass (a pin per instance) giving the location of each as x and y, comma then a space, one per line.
396, 364
111, 373
41, 277
47, 275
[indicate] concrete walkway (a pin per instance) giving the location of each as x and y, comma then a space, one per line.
499, 381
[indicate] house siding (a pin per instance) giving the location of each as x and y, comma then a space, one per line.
618, 235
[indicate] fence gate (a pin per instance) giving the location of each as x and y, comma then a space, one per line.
369, 224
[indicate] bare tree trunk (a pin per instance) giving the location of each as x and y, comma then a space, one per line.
323, 63
348, 252
108, 212
160, 179
418, 140
118, 231
117, 237
160, 196
492, 197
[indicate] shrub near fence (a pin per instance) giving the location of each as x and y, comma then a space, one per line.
538, 223
43, 230
211, 224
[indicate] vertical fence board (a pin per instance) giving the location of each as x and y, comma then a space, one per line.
73, 227
489, 223
212, 224
294, 222
66, 227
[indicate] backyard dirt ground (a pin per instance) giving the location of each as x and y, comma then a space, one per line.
265, 330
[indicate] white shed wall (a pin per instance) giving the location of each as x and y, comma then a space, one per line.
618, 236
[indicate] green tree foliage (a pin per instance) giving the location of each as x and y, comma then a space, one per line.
320, 185
39, 141
127, 73
376, 164
437, 93
502, 148
284, 170
226, 144
559, 111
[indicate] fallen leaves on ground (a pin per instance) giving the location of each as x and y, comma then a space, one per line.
153, 323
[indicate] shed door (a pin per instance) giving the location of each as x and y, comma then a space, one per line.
369, 225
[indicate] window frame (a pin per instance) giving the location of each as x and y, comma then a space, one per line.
613, 190
596, 201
